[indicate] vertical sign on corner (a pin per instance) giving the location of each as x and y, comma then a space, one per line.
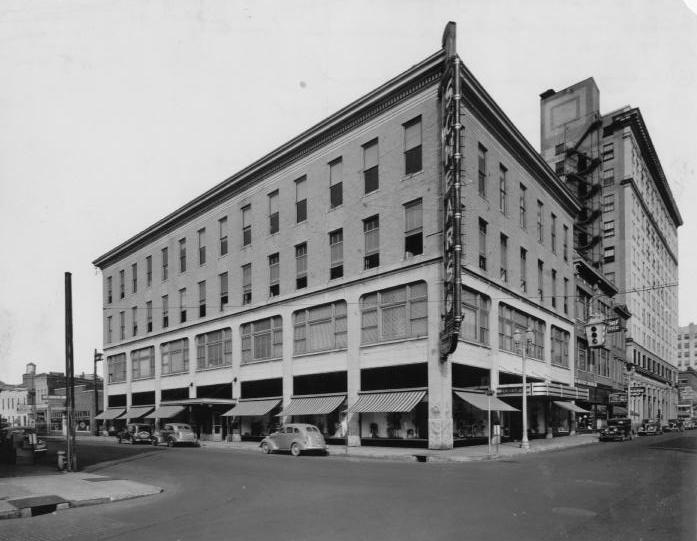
451, 139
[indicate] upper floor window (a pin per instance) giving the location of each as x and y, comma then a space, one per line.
559, 149
222, 236
608, 151
182, 255
481, 157
560, 347
202, 299
182, 305
371, 231
134, 320
301, 199
540, 223
109, 290
540, 280
247, 284
116, 368
554, 288
609, 254
134, 277
475, 316
336, 172
412, 146
165, 311
336, 248
524, 269
510, 320
246, 225
413, 228
148, 271
262, 339
122, 284
392, 314
202, 246
503, 188
143, 363
553, 233
109, 330
223, 290
319, 328
165, 264
609, 176
274, 275
174, 356
609, 229
301, 266
565, 240
504, 258
273, 212
482, 244
523, 207
214, 349
370, 166
148, 316
122, 325
608, 202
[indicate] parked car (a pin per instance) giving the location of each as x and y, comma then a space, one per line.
175, 434
617, 430
24, 436
688, 424
674, 425
650, 428
136, 433
296, 438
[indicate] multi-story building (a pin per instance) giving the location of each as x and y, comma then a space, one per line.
332, 272
13, 400
627, 230
687, 347
687, 388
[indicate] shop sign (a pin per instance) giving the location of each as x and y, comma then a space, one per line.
612, 325
451, 139
618, 398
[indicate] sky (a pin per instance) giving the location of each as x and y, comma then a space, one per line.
115, 113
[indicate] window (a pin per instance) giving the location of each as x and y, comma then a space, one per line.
182, 305
109, 290
608, 151
413, 228
554, 288
301, 266
540, 280
608, 177
182, 255
262, 339
559, 168
523, 207
222, 236
482, 244
582, 356
370, 166
274, 275
246, 225
273, 212
134, 320
511, 319
122, 284
504, 258
143, 363
247, 284
565, 241
109, 330
560, 347
608, 202
301, 200
371, 231
148, 271
394, 314
148, 316
214, 349
165, 311
524, 269
336, 195
134, 277
117, 368
319, 328
609, 229
412, 146
559, 149
611, 277
540, 224
481, 153
175, 356
609, 254
223, 280
553, 233
503, 207
202, 299
202, 246
475, 316
566, 296
336, 248
165, 264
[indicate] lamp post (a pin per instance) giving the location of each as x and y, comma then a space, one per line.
518, 340
97, 357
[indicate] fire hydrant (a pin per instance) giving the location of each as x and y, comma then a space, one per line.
62, 462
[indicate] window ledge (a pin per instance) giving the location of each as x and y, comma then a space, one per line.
473, 343
169, 374
413, 175
143, 378
258, 361
315, 353
395, 341
218, 367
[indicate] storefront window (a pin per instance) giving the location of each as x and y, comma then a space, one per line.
511, 320
214, 349
393, 314
262, 339
320, 328
475, 316
117, 368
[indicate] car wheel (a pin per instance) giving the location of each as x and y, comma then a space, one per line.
266, 448
295, 449
170, 442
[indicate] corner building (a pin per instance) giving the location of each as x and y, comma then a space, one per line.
309, 286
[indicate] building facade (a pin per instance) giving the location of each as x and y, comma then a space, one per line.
687, 347
13, 400
313, 285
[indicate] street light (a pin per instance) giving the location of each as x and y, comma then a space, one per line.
529, 339
97, 357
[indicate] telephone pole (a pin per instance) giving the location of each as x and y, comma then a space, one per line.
69, 373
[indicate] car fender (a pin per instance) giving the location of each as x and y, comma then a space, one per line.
272, 444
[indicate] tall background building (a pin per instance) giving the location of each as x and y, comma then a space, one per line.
687, 347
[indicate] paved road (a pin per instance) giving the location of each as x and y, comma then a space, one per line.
639, 490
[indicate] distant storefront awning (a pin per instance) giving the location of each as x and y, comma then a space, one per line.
136, 412
252, 408
569, 406
387, 402
313, 405
482, 402
165, 412
550, 390
110, 413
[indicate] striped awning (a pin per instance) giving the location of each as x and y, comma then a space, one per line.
482, 402
136, 412
313, 405
110, 413
387, 402
252, 408
165, 412
569, 406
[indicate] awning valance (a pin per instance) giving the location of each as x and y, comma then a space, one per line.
313, 405
482, 402
252, 408
387, 402
136, 412
569, 406
110, 413
165, 412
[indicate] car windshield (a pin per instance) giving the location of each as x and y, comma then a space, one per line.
311, 429
182, 427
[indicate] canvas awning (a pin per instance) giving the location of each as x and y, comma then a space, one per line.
481, 401
387, 402
165, 412
569, 406
136, 412
252, 408
110, 413
313, 405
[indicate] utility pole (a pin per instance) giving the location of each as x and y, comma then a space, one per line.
69, 372
97, 358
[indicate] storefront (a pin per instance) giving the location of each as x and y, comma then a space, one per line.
252, 419
165, 414
203, 414
108, 420
471, 413
319, 410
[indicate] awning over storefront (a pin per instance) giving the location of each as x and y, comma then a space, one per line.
252, 408
387, 402
482, 402
569, 406
165, 412
313, 405
110, 413
551, 390
137, 412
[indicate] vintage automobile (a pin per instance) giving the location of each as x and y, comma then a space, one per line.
617, 430
650, 428
136, 433
674, 425
175, 434
23, 436
296, 438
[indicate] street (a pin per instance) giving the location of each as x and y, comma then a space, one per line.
639, 490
